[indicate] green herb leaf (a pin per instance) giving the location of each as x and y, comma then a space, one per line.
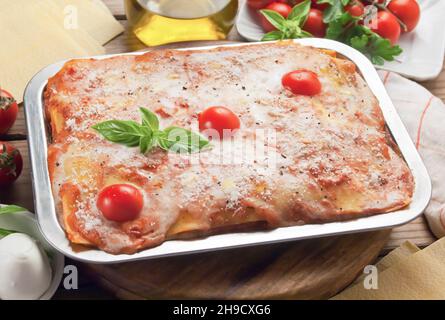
334, 10
5, 232
146, 143
273, 35
378, 49
181, 140
127, 133
290, 28
276, 19
347, 30
300, 12
148, 136
149, 119
337, 28
11, 209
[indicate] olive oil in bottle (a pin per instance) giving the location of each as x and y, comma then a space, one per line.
157, 22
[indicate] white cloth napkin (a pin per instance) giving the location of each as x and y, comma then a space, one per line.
424, 117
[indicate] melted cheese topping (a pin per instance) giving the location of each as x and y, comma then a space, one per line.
331, 156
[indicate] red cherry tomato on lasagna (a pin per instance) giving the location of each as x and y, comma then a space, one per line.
408, 11
8, 111
120, 202
11, 164
355, 8
314, 23
302, 82
387, 26
282, 8
218, 119
319, 6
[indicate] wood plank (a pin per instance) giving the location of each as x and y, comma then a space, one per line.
116, 7
126, 42
436, 86
307, 269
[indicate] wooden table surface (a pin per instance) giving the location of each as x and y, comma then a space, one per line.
21, 192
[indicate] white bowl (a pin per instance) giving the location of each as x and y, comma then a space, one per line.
26, 223
423, 49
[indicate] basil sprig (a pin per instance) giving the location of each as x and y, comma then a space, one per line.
290, 28
11, 209
6, 210
6, 232
147, 135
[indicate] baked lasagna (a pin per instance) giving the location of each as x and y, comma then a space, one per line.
328, 157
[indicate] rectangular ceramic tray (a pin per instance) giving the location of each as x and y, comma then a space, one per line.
52, 230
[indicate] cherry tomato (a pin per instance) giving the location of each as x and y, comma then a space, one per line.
120, 202
355, 8
8, 111
314, 23
282, 8
302, 82
258, 4
319, 6
218, 118
11, 164
387, 26
408, 11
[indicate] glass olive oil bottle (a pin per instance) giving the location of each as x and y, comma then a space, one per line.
157, 22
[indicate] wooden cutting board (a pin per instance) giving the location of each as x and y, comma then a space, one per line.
309, 269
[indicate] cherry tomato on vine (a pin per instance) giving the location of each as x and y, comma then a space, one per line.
387, 26
120, 202
319, 6
314, 23
11, 164
355, 8
408, 11
258, 4
8, 111
282, 8
302, 82
218, 119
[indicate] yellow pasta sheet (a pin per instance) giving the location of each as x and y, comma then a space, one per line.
37, 33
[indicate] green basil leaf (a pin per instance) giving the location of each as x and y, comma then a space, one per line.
181, 140
273, 35
149, 119
146, 143
300, 12
5, 232
127, 133
11, 209
276, 19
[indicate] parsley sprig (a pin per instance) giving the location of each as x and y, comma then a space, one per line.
347, 30
341, 26
147, 135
